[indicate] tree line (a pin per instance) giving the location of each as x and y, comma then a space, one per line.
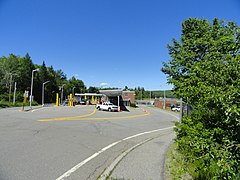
16, 69
141, 93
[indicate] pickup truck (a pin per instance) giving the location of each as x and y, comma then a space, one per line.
107, 107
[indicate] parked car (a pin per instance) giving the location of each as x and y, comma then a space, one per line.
177, 108
83, 102
107, 106
65, 102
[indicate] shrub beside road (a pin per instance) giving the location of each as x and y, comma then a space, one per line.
205, 72
5, 104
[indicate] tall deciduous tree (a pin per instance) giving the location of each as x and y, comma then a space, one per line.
25, 70
205, 68
19, 69
92, 89
76, 84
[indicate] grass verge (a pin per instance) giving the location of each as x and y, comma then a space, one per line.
175, 165
5, 104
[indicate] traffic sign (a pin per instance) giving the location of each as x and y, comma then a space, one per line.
26, 94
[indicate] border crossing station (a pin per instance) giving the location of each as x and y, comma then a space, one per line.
118, 97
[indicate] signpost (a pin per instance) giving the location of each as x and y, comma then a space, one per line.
25, 96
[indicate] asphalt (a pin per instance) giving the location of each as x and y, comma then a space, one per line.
143, 162
35, 149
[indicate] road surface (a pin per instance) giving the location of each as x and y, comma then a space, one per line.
80, 142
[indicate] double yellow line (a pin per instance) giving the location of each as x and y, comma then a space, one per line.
84, 117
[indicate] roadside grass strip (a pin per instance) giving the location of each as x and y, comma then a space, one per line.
87, 118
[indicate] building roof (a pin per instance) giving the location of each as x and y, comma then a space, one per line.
111, 93
88, 94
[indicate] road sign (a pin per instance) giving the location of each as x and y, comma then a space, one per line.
26, 94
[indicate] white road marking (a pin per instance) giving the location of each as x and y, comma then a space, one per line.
75, 168
108, 170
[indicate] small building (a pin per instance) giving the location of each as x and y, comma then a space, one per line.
128, 97
118, 97
91, 98
168, 103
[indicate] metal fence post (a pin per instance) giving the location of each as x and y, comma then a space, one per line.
181, 110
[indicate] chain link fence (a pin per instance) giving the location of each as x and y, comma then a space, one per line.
185, 109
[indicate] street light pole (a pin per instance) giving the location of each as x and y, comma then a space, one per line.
43, 92
73, 91
32, 87
14, 94
164, 106
150, 95
10, 87
62, 93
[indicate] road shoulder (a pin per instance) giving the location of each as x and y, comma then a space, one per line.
146, 161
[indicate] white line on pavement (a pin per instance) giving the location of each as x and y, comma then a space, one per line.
75, 168
108, 170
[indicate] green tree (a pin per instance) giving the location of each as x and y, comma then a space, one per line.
19, 69
139, 91
205, 68
76, 84
25, 71
52, 87
15, 69
40, 77
92, 89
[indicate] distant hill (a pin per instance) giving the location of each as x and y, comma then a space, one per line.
160, 93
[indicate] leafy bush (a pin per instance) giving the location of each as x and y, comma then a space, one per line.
133, 105
6, 104
176, 166
205, 69
4, 97
211, 156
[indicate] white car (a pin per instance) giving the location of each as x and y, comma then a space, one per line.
176, 109
107, 107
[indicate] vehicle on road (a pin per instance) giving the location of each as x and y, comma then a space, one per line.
83, 102
177, 108
65, 102
107, 106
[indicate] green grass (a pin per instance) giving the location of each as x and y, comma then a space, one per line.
175, 165
6, 104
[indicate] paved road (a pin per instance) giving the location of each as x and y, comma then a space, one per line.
77, 142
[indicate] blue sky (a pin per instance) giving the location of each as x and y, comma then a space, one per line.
116, 43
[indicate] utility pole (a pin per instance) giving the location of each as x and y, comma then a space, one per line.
164, 105
14, 95
181, 110
62, 93
32, 88
73, 91
10, 87
43, 92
